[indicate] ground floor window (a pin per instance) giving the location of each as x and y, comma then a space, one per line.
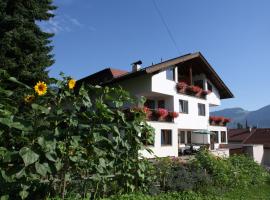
181, 137
189, 137
166, 137
214, 136
223, 136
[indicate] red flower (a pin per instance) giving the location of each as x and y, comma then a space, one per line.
174, 114
227, 120
161, 112
195, 89
181, 85
146, 109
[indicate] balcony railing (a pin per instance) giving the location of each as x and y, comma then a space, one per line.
160, 115
218, 121
191, 90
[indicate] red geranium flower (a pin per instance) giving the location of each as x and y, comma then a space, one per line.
174, 114
162, 112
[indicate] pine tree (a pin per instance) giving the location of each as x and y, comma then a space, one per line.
25, 51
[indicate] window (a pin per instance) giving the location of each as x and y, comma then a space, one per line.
201, 109
181, 137
183, 106
170, 75
223, 136
150, 104
209, 86
199, 83
161, 104
214, 136
189, 137
166, 137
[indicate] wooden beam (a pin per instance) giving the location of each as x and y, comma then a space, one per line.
190, 75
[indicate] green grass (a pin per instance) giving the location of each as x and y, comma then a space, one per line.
259, 192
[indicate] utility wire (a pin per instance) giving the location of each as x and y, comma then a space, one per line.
166, 26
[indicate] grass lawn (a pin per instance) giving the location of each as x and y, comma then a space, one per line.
254, 193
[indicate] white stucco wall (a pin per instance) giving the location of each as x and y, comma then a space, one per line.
158, 149
161, 85
213, 98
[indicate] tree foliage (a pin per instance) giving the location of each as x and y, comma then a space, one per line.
24, 47
63, 142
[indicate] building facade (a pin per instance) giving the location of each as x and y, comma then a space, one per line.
179, 94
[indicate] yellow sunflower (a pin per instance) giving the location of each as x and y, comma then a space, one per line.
40, 88
29, 98
71, 83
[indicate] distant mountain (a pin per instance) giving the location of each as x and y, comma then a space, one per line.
259, 118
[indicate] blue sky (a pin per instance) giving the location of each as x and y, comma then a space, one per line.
234, 36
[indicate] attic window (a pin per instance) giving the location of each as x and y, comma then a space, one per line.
170, 74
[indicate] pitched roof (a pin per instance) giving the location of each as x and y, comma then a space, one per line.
256, 136
198, 62
238, 135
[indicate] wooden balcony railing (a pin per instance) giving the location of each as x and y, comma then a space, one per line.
191, 90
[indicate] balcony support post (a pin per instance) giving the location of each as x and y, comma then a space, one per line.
190, 75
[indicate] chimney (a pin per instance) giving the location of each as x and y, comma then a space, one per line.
136, 66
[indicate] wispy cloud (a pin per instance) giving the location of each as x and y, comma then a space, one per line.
63, 23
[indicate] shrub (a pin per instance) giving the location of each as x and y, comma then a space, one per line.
175, 175
235, 171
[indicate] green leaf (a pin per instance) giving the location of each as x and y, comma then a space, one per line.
42, 169
28, 156
50, 157
58, 165
41, 108
18, 82
20, 174
4, 197
23, 194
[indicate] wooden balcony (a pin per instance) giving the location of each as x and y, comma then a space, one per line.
191, 90
218, 121
160, 115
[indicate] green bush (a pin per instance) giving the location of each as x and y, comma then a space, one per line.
60, 141
235, 171
174, 175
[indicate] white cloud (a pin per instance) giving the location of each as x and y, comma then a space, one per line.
63, 23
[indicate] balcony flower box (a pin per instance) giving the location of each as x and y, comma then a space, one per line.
181, 87
173, 114
218, 121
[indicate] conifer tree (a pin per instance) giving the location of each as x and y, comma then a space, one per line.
25, 50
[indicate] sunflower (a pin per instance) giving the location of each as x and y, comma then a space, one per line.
40, 88
71, 83
29, 98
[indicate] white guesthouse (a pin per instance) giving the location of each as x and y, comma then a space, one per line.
186, 86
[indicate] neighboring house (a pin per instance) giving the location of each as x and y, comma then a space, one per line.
254, 142
185, 85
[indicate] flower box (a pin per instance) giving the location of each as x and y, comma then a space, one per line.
219, 121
